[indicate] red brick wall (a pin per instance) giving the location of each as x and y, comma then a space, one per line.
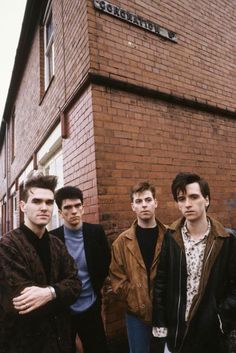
79, 154
76, 49
201, 65
35, 117
138, 138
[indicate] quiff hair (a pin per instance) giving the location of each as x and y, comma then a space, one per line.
38, 180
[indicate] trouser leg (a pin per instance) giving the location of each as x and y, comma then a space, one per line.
89, 327
139, 334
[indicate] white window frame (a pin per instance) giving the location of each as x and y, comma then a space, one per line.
46, 157
51, 167
48, 47
14, 210
14, 206
26, 172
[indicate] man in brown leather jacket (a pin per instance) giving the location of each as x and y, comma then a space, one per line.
135, 255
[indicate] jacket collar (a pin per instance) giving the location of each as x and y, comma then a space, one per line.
131, 234
217, 230
133, 246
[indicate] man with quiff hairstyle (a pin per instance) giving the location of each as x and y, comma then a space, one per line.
38, 278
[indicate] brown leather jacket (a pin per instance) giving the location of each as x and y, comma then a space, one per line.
128, 272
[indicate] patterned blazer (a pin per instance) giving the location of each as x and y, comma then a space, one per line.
46, 329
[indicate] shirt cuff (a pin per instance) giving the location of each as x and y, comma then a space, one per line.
159, 332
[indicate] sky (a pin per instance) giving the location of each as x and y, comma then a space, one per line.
11, 18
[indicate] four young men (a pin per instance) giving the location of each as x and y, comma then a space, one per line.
182, 281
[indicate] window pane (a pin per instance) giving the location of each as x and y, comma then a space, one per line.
49, 29
48, 48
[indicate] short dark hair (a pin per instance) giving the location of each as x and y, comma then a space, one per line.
142, 186
38, 180
183, 179
68, 192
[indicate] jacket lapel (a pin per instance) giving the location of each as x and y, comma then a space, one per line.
161, 233
133, 247
87, 245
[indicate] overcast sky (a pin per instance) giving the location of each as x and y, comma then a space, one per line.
11, 17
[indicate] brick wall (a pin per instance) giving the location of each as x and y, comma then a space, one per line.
35, 115
201, 65
138, 138
79, 154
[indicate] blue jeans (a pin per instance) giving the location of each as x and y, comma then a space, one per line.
139, 334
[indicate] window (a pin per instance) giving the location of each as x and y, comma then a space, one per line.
3, 218
50, 161
48, 46
14, 211
54, 166
21, 216
13, 136
21, 180
5, 160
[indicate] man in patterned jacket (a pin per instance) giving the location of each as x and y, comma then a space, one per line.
38, 278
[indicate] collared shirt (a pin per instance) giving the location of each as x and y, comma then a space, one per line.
194, 251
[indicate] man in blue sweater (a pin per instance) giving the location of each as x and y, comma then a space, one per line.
87, 244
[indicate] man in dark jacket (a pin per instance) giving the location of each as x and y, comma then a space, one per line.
195, 287
38, 278
87, 244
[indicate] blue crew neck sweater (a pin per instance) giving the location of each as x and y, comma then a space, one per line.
75, 244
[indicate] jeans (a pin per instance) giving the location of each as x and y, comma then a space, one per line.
139, 334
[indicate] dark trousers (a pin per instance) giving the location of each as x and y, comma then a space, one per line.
89, 327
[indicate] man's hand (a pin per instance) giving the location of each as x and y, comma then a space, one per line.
31, 298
